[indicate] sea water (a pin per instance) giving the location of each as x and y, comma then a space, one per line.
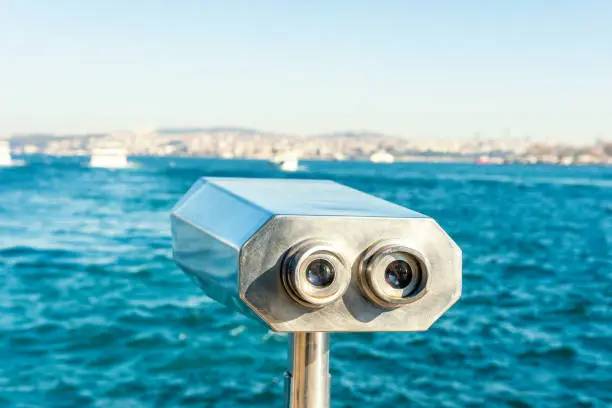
93, 312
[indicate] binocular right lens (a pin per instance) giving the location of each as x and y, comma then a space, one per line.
392, 274
398, 274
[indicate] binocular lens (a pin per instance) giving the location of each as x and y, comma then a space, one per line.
314, 273
320, 273
392, 274
398, 274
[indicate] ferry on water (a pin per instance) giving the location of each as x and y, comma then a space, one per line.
288, 162
109, 157
5, 153
382, 156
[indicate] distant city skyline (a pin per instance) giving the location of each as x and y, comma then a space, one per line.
240, 143
504, 136
419, 70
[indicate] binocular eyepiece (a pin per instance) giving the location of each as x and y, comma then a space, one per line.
389, 274
316, 256
392, 274
314, 274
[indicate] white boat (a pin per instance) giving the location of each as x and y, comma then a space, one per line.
109, 157
489, 160
288, 162
5, 153
382, 157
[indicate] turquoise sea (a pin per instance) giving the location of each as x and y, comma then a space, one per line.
94, 313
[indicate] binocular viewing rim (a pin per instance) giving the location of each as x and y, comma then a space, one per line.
375, 269
299, 262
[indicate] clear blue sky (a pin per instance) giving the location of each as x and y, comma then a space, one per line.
424, 69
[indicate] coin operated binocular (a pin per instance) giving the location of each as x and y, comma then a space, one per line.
312, 257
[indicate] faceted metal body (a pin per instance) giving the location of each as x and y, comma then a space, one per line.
232, 235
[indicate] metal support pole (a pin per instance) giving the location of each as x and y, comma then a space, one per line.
307, 384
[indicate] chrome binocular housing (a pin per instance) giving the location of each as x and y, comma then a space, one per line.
315, 256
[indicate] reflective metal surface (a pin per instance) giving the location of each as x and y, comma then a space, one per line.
309, 197
308, 381
209, 226
264, 292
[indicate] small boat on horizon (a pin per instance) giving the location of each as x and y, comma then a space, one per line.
111, 156
5, 153
382, 156
288, 162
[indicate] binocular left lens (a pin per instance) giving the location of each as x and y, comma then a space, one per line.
314, 274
